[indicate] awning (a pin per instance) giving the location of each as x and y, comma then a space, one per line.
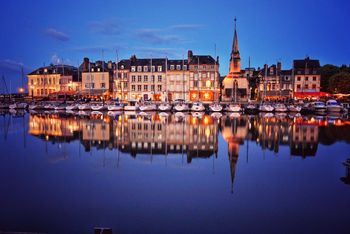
311, 94
93, 92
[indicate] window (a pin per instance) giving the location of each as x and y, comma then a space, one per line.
152, 87
153, 69
122, 67
159, 87
103, 85
159, 78
313, 86
139, 78
298, 78
185, 67
306, 78
152, 78
145, 68
178, 67
195, 83
306, 86
160, 68
125, 75
133, 78
125, 85
139, 88
145, 78
145, 88
299, 72
298, 86
133, 68
172, 67
139, 68
314, 78
132, 87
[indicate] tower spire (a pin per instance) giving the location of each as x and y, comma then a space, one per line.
235, 60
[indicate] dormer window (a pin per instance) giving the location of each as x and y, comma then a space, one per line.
184, 67
160, 68
45, 70
98, 69
133, 68
54, 71
178, 67
145, 68
153, 69
139, 69
122, 67
172, 67
92, 69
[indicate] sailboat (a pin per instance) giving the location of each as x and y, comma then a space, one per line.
234, 106
216, 106
180, 104
197, 106
265, 107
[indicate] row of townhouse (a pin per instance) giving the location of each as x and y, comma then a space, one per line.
195, 78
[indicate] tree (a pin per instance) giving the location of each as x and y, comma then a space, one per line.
340, 83
327, 71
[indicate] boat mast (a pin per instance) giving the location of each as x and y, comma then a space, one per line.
198, 83
166, 80
183, 78
215, 96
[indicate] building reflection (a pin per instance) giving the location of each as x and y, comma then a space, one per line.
154, 135
346, 178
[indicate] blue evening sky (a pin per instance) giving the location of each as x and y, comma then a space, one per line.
42, 32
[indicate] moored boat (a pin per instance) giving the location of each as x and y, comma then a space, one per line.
265, 107
18, 105
279, 107
147, 106
98, 106
294, 108
233, 107
115, 106
180, 105
197, 107
165, 106
319, 107
84, 106
215, 107
333, 106
132, 106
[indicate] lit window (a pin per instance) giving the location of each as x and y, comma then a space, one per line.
133, 68
139, 68
145, 69
172, 67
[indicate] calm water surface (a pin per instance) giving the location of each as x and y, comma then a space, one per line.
152, 173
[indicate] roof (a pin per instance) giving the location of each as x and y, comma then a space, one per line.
202, 59
306, 63
55, 69
286, 72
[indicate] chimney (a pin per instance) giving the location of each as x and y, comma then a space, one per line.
133, 58
279, 66
110, 65
86, 64
217, 59
265, 67
189, 56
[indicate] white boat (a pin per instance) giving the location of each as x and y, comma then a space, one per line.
84, 106
147, 106
73, 106
264, 107
179, 116
132, 106
279, 107
18, 105
115, 106
233, 107
333, 106
215, 107
49, 106
180, 105
345, 107
197, 106
294, 108
250, 108
61, 106
36, 106
165, 106
319, 107
98, 107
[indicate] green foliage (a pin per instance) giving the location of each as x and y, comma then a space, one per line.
327, 71
340, 83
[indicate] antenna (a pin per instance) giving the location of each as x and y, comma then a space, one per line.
235, 22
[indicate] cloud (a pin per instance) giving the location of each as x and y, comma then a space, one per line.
55, 59
186, 26
160, 52
154, 36
99, 48
57, 35
13, 66
106, 27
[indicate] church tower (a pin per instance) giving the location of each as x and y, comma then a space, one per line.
235, 84
235, 60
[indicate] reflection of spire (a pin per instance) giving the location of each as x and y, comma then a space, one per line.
233, 157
